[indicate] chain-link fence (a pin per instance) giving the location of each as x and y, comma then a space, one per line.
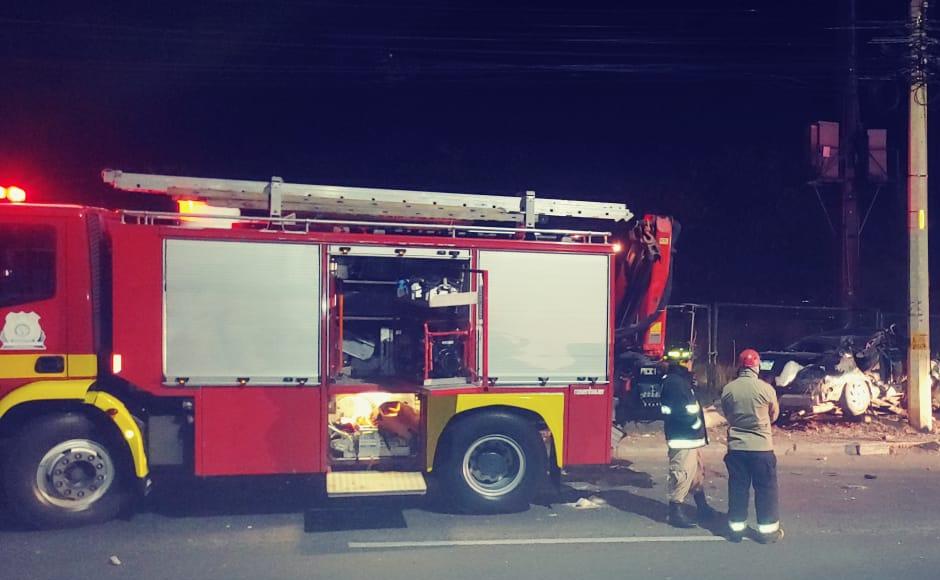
689, 326
715, 333
771, 327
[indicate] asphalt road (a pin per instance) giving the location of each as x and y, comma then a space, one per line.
839, 525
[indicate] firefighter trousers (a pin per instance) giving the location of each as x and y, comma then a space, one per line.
757, 469
686, 473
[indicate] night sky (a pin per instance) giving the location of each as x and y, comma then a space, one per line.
694, 109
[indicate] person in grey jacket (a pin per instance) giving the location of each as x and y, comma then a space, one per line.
750, 406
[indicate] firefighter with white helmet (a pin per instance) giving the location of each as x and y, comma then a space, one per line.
684, 424
750, 406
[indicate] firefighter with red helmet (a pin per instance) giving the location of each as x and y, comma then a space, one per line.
750, 406
684, 424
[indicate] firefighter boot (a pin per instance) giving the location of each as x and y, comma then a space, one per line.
706, 513
677, 518
771, 538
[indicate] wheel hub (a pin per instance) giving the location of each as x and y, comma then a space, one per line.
494, 465
74, 474
491, 467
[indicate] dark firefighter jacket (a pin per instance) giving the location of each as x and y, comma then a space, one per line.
683, 418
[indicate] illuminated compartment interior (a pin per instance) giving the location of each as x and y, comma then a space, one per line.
373, 426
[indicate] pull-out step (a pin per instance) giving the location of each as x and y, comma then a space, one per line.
373, 483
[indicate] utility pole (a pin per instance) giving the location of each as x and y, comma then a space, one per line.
918, 355
851, 173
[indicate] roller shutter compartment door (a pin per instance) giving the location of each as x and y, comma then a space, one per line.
548, 316
241, 309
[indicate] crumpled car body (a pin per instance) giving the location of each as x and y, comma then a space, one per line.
816, 389
853, 371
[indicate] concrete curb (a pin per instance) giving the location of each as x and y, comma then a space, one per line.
624, 451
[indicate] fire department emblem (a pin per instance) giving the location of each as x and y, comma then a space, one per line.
21, 331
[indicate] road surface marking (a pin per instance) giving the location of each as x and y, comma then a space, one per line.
528, 541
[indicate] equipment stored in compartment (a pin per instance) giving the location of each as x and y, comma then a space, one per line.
374, 425
391, 308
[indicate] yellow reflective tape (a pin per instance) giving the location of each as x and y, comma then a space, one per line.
549, 406
78, 390
23, 366
922, 219
45, 391
82, 365
126, 423
439, 411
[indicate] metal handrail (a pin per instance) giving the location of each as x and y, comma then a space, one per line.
151, 218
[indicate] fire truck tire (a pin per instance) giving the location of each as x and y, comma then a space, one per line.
63, 471
492, 464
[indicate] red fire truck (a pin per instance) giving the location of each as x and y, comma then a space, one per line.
375, 336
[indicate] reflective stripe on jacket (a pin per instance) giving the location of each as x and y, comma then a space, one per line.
683, 418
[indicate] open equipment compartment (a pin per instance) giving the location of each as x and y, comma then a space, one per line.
402, 316
369, 426
401, 320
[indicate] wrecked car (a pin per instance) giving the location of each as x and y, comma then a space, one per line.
850, 372
811, 349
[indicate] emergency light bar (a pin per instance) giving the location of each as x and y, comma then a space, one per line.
13, 194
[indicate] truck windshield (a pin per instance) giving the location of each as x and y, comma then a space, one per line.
27, 263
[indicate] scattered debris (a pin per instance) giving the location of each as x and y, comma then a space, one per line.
932, 446
854, 486
875, 448
590, 503
823, 458
870, 476
115, 561
583, 486
831, 474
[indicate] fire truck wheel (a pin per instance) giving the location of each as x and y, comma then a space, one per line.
493, 463
62, 471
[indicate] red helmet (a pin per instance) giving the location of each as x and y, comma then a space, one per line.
749, 359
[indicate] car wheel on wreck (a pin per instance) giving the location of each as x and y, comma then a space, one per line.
856, 398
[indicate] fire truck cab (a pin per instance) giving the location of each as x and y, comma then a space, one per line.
378, 337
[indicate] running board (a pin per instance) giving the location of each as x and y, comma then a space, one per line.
373, 483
